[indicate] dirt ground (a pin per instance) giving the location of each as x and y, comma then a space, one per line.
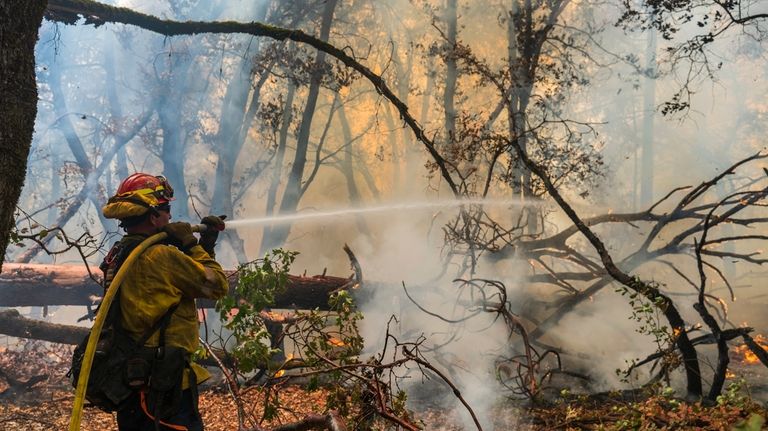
47, 404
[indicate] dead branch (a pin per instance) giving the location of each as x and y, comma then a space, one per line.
727, 334
331, 422
413, 355
16, 386
652, 294
355, 265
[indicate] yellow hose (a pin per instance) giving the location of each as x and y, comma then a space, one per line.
101, 316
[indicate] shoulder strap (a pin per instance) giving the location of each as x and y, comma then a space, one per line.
161, 324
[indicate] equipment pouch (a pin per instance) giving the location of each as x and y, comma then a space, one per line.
165, 384
106, 387
137, 371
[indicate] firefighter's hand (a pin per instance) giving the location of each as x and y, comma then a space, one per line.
209, 236
180, 235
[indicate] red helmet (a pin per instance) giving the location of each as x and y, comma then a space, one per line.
145, 184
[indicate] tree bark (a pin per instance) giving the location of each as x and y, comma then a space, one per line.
39, 285
274, 183
15, 325
19, 22
451, 73
292, 193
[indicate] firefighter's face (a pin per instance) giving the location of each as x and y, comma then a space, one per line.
162, 217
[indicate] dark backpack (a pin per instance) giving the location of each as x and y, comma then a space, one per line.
120, 365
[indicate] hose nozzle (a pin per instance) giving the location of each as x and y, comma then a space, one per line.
202, 227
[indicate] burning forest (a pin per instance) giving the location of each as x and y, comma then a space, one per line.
383, 215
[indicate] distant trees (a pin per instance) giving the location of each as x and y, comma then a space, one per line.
692, 28
495, 99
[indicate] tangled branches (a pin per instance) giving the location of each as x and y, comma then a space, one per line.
319, 348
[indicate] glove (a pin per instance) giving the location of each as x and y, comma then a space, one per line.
180, 235
209, 236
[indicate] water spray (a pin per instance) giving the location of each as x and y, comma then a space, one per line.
407, 206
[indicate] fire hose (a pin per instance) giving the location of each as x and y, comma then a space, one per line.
98, 323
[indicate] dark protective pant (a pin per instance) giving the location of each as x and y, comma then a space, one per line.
135, 417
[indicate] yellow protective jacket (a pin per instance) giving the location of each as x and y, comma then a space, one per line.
161, 277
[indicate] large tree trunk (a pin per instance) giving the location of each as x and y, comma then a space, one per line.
19, 22
239, 107
274, 183
292, 193
173, 150
40, 285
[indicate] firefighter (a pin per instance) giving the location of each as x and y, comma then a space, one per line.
159, 291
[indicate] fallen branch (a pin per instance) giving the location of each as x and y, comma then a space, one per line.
16, 387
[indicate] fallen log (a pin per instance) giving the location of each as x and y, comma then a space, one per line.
12, 323
35, 285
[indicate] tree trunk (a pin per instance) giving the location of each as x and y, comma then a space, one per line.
238, 110
451, 73
649, 108
410, 169
274, 184
19, 22
392, 140
348, 170
15, 325
292, 193
521, 45
173, 149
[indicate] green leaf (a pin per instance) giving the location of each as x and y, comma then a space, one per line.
753, 423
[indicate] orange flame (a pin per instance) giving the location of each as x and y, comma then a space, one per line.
281, 372
745, 355
336, 342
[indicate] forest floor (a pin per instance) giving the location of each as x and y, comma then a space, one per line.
46, 405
